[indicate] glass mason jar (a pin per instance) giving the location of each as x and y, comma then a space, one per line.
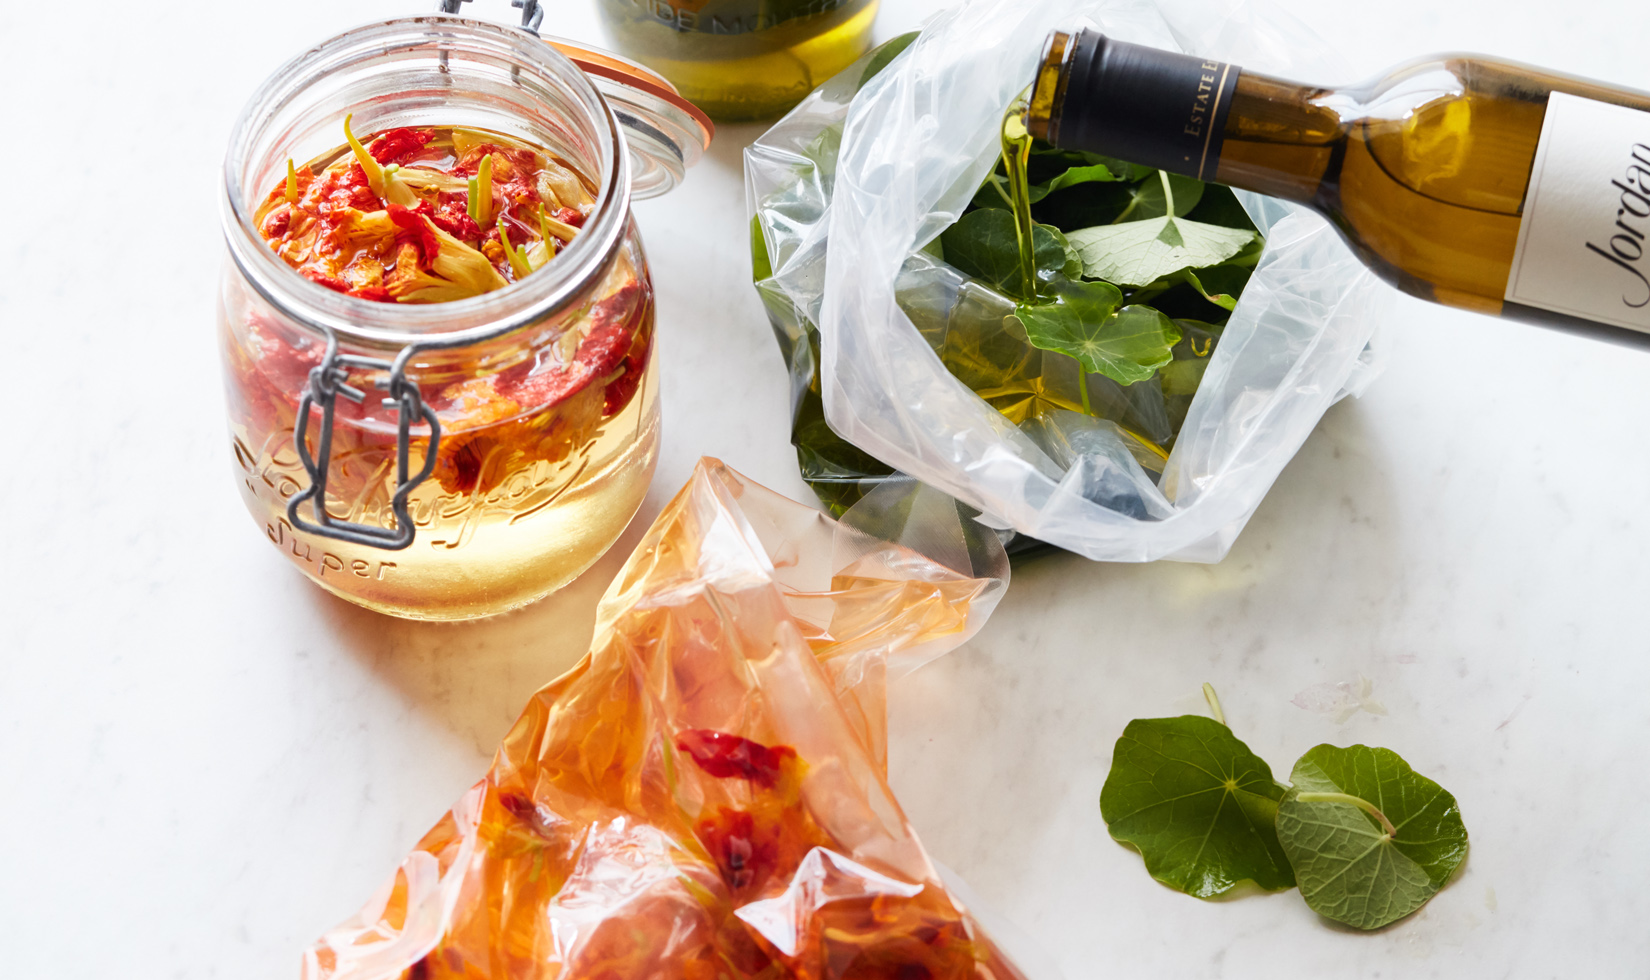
741, 60
539, 400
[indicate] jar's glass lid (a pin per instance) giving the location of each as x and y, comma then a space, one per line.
666, 133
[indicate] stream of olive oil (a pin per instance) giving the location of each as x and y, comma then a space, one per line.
1016, 150
1016, 154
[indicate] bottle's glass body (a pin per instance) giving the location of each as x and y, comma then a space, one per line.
742, 60
527, 489
1425, 171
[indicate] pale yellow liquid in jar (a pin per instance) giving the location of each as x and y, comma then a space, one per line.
548, 438
476, 554
733, 72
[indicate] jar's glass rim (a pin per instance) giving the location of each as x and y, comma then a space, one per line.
432, 325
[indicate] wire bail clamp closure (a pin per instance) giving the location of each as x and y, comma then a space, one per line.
327, 381
532, 14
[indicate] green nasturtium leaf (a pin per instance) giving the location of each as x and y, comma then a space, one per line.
994, 192
1225, 301
1220, 284
1082, 319
1147, 199
1183, 376
1045, 156
1197, 804
823, 150
883, 55
761, 265
1073, 268
1136, 253
1073, 176
1219, 206
1348, 868
983, 244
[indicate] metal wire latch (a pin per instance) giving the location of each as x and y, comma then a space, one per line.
532, 15
327, 381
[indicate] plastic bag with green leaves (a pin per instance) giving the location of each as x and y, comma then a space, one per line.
874, 242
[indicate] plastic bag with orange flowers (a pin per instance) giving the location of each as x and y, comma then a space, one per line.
705, 794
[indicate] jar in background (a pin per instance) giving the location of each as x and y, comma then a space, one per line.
540, 398
742, 59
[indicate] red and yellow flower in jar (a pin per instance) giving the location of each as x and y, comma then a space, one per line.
438, 337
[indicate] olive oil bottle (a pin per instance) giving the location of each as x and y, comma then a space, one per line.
742, 59
1475, 183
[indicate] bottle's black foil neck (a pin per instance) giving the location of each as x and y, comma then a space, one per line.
1145, 105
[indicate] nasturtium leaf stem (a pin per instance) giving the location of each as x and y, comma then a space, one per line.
1360, 803
1000, 192
1083, 386
1214, 703
1168, 200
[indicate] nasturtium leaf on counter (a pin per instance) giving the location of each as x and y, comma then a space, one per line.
983, 244
1136, 253
1197, 804
1349, 868
1082, 319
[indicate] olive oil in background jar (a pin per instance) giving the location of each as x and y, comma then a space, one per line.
742, 59
1480, 184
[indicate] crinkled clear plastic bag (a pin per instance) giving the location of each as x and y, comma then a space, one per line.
847, 189
704, 796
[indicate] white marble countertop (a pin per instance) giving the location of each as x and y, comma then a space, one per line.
205, 761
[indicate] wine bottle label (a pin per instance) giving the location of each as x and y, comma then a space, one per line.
1582, 241
1145, 105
